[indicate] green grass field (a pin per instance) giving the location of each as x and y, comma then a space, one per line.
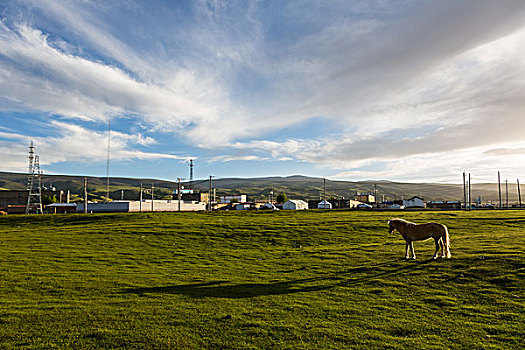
259, 280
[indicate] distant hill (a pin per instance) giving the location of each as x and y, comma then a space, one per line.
303, 187
297, 186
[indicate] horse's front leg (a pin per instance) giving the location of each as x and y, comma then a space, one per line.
412, 248
407, 250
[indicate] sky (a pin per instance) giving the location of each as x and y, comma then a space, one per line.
405, 90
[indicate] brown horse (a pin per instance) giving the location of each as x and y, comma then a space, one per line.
420, 232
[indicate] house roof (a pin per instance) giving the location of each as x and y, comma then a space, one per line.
414, 198
297, 201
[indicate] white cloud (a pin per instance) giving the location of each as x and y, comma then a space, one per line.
228, 158
41, 77
74, 142
473, 99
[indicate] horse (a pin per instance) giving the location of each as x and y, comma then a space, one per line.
420, 232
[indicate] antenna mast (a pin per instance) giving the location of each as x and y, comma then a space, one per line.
107, 161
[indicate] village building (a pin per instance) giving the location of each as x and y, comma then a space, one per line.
324, 205
295, 204
392, 205
191, 196
138, 206
19, 198
414, 202
365, 198
238, 198
444, 204
245, 206
60, 208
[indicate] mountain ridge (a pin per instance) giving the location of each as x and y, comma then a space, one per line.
295, 186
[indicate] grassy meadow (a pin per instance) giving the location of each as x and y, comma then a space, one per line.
259, 280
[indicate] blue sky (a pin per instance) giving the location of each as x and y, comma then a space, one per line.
401, 90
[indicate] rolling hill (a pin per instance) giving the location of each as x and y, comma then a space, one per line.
300, 187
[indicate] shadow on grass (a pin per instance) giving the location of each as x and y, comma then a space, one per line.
222, 289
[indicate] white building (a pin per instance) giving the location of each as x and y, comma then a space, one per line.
243, 206
240, 198
414, 202
146, 205
295, 204
324, 205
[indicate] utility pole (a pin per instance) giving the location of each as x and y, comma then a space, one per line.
152, 195
140, 198
519, 194
375, 195
107, 161
506, 194
469, 187
464, 192
499, 191
179, 195
209, 194
324, 192
85, 195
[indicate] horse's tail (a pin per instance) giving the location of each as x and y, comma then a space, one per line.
446, 242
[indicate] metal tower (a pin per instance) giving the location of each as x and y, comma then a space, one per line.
191, 174
34, 182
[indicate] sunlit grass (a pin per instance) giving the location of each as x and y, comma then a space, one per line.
314, 279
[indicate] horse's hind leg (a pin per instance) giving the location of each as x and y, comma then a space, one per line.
442, 244
438, 243
407, 249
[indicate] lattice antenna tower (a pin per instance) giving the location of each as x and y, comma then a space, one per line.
34, 182
31, 157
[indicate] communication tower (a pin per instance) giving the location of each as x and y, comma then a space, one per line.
191, 174
34, 182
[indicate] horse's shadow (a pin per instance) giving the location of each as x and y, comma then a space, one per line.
224, 289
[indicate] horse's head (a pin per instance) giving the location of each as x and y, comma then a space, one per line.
391, 227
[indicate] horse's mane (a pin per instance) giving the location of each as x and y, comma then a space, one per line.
400, 220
